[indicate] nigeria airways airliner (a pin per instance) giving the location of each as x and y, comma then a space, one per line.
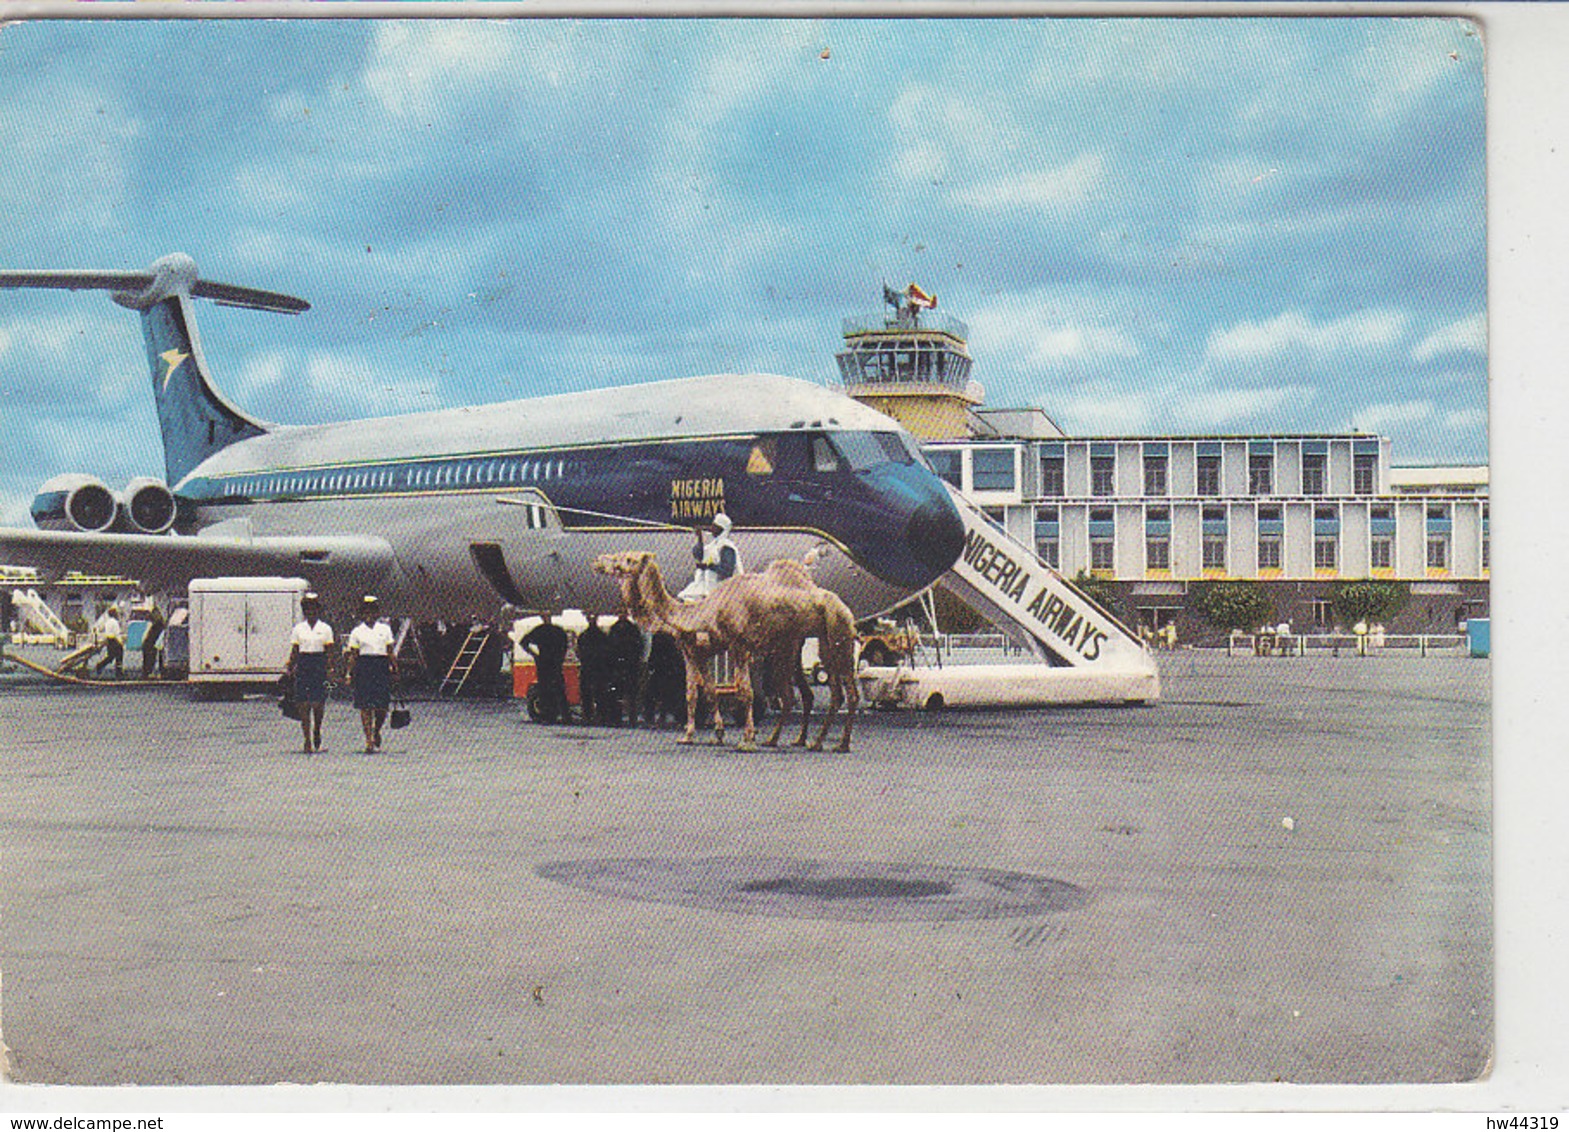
454, 512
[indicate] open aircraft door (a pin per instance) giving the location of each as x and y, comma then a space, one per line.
528, 569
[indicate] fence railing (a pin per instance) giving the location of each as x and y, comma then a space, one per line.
1338, 644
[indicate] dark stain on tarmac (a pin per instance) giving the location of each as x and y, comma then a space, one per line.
822, 890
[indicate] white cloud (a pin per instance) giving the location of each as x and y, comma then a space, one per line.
1066, 185
1045, 329
1215, 408
15, 509
68, 154
1104, 414
353, 386
417, 68
1076, 342
1391, 416
77, 351
1465, 420
1251, 341
1468, 336
262, 373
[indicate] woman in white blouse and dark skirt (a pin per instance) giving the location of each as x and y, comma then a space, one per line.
311, 642
372, 669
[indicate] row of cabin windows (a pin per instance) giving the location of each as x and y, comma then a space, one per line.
450, 473
1261, 475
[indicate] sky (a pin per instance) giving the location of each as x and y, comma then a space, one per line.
1150, 226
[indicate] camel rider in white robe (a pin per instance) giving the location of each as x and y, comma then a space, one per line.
717, 560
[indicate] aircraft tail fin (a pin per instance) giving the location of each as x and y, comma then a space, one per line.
195, 419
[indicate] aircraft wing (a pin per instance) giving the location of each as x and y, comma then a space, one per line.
351, 563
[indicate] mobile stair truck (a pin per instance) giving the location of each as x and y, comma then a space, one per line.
239, 629
1082, 653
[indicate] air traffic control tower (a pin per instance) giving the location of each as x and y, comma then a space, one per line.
916, 371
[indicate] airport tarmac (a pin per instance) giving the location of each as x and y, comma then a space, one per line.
1281, 872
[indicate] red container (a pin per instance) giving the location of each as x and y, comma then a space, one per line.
525, 676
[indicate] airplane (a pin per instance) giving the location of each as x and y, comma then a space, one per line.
450, 513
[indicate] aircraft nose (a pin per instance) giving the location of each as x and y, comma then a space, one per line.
935, 535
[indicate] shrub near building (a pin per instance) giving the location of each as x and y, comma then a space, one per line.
1234, 606
1369, 602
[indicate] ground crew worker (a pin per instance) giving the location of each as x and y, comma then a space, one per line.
717, 560
593, 658
547, 643
626, 669
152, 653
113, 640
665, 696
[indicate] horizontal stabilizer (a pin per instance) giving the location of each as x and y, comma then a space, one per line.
138, 282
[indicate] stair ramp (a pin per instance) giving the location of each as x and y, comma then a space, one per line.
1007, 583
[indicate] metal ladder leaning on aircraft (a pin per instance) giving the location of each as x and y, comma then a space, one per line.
463, 663
1006, 582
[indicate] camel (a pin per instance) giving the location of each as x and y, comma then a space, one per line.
751, 615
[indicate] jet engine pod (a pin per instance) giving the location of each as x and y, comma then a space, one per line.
74, 503
149, 506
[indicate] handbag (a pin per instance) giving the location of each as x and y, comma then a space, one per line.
286, 702
400, 715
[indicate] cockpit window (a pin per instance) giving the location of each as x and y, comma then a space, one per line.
823, 458
860, 450
897, 446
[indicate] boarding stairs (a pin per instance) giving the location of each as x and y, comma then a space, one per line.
1007, 583
464, 663
35, 611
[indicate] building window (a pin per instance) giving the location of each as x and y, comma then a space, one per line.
1437, 552
1101, 554
1364, 474
1209, 475
1269, 552
1157, 553
946, 462
1261, 475
1381, 553
991, 469
1323, 614
998, 517
1214, 551
1486, 546
1312, 475
1103, 475
1154, 475
1325, 549
1052, 479
1048, 551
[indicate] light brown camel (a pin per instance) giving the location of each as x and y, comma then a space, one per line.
751, 615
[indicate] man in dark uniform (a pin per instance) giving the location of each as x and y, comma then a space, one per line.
547, 643
626, 669
666, 693
593, 658
152, 654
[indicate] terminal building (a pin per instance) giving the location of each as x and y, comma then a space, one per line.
1153, 517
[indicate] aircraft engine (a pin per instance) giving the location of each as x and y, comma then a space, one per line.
148, 506
74, 503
